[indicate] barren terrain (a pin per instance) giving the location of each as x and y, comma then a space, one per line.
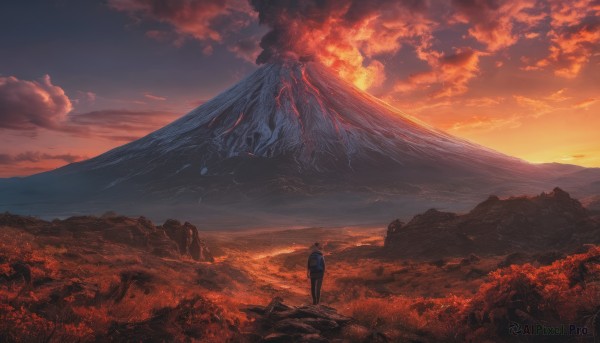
70, 281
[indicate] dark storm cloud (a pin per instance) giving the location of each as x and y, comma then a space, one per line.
304, 27
28, 105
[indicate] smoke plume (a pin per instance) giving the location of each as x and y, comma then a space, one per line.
345, 35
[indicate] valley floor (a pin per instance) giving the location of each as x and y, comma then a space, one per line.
72, 288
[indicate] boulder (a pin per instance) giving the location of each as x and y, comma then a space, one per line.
278, 322
549, 221
187, 239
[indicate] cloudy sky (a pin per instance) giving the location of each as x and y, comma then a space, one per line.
78, 78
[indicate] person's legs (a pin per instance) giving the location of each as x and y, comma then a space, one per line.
319, 283
313, 292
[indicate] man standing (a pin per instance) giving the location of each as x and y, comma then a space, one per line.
315, 271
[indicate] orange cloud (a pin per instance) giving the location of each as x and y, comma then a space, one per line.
572, 49
567, 13
559, 95
538, 107
450, 73
585, 104
482, 102
484, 124
574, 37
532, 35
494, 23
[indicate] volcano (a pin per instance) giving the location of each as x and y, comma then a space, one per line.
290, 141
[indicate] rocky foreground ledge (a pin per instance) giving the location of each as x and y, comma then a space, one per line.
278, 322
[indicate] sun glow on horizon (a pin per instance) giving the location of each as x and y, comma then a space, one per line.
518, 77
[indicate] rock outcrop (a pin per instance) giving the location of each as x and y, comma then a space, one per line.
13, 220
172, 239
187, 239
549, 221
278, 322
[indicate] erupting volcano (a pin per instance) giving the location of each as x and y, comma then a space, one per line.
291, 138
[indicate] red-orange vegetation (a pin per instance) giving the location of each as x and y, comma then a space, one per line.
69, 291
566, 292
65, 290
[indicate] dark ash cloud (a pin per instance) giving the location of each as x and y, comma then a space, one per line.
246, 48
306, 27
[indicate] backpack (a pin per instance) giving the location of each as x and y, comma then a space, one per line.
316, 263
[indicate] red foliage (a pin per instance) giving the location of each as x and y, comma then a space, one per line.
54, 292
49, 293
528, 295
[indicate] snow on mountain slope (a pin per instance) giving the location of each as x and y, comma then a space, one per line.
288, 130
302, 112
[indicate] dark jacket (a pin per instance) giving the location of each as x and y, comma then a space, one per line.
315, 275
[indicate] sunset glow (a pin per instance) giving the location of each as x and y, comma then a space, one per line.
520, 77
299, 171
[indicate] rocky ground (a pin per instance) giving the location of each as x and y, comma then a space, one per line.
114, 278
172, 239
278, 322
548, 222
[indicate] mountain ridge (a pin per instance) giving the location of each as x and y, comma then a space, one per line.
287, 133
553, 220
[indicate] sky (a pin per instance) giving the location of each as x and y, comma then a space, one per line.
78, 78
